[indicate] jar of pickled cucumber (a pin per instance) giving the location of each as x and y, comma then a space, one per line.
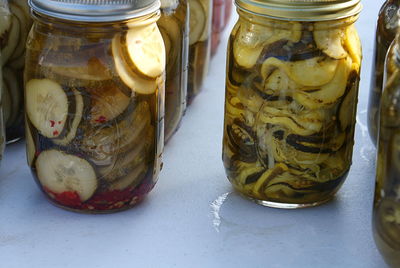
386, 212
174, 27
290, 104
218, 20
385, 32
199, 45
94, 89
15, 24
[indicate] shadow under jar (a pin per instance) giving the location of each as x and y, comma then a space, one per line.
290, 103
174, 27
385, 33
386, 212
94, 87
199, 45
15, 25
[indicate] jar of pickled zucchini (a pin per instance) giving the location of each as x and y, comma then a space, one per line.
174, 27
199, 45
385, 32
386, 212
94, 89
290, 104
15, 25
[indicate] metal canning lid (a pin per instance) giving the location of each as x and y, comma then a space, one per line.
302, 10
94, 10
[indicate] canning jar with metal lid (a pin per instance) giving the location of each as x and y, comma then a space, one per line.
174, 27
386, 211
290, 104
385, 32
15, 23
199, 45
94, 101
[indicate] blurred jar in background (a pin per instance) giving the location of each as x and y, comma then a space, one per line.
386, 211
385, 32
218, 23
15, 26
228, 11
174, 27
199, 45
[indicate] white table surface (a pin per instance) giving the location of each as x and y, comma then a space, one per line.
193, 218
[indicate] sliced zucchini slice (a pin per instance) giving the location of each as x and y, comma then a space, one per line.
348, 105
313, 72
146, 51
46, 106
330, 40
130, 79
77, 117
198, 21
60, 172
329, 93
353, 44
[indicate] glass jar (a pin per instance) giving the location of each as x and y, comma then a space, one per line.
174, 27
199, 45
16, 23
228, 12
385, 33
386, 212
218, 20
290, 103
94, 87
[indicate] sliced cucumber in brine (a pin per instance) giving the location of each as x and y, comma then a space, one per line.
77, 117
107, 103
127, 75
46, 106
146, 51
60, 172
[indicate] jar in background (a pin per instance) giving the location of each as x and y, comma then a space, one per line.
386, 212
218, 20
174, 27
94, 87
15, 23
228, 12
385, 32
199, 45
290, 103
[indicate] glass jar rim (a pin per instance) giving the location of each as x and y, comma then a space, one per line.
301, 10
94, 11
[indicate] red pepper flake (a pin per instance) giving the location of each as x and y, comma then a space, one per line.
68, 198
52, 123
101, 119
37, 153
55, 133
59, 122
